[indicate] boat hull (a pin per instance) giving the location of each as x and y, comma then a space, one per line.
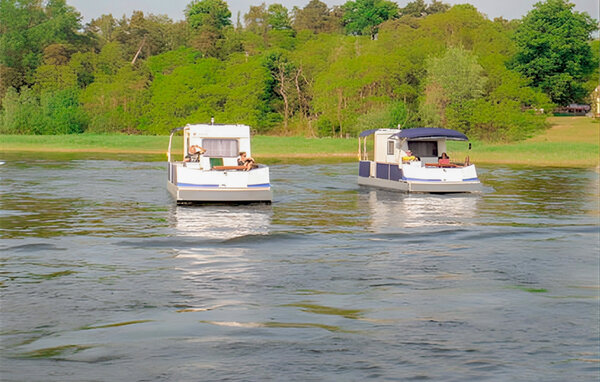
188, 182
414, 177
423, 187
187, 194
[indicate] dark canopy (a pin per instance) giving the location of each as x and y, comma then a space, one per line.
367, 132
431, 133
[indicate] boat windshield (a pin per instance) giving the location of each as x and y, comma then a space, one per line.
221, 148
424, 148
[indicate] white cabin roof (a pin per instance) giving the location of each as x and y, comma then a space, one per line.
218, 131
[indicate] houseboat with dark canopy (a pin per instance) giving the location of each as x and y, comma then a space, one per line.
414, 160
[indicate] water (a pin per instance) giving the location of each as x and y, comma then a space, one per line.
103, 278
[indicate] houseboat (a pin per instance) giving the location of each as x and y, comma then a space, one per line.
414, 160
209, 171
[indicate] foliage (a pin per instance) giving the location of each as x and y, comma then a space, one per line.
55, 112
552, 50
314, 71
278, 17
362, 17
417, 8
452, 80
316, 17
27, 28
208, 13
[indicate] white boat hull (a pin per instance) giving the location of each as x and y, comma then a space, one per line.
220, 195
417, 178
189, 183
425, 187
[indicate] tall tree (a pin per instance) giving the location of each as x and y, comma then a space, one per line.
103, 28
212, 13
553, 50
314, 16
418, 8
208, 18
452, 80
278, 17
256, 20
362, 17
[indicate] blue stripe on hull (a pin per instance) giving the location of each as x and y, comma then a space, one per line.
217, 186
439, 180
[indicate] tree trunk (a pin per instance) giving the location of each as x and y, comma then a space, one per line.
283, 93
339, 109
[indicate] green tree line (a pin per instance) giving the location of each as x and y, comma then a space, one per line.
313, 71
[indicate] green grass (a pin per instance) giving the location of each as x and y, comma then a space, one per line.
577, 154
571, 142
265, 145
89, 142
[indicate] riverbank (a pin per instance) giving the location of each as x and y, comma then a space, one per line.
570, 142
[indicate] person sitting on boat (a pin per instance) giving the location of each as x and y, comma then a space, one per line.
194, 154
409, 157
444, 159
245, 161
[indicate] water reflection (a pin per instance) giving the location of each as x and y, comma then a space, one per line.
398, 210
222, 222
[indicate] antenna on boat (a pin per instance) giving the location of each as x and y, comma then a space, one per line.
212, 120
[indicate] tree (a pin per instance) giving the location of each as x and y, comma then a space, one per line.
208, 19
256, 20
211, 13
437, 7
417, 8
314, 16
278, 17
362, 17
104, 28
553, 51
452, 80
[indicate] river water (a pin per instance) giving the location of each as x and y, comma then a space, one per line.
104, 278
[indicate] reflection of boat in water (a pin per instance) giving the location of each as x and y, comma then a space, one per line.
222, 222
393, 210
414, 160
213, 174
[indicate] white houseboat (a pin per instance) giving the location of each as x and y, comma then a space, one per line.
411, 160
213, 174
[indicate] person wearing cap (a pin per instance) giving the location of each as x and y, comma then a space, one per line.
194, 153
409, 157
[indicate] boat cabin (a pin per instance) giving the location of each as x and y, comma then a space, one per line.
222, 143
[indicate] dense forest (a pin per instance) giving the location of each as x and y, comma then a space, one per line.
313, 71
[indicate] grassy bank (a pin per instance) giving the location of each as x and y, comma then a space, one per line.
571, 142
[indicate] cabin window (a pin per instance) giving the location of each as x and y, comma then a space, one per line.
423, 148
221, 148
390, 147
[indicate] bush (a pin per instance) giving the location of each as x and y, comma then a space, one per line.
57, 112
